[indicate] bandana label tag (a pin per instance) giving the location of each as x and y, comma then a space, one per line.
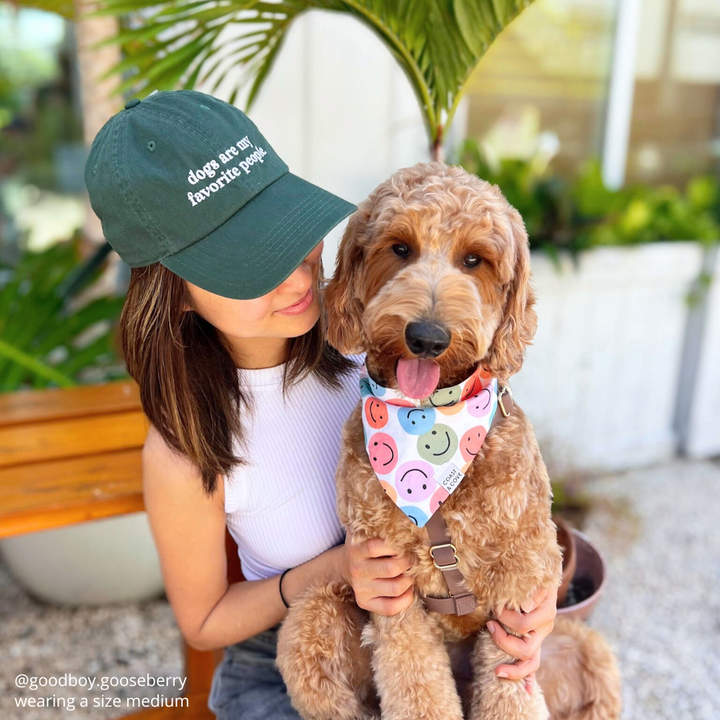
449, 477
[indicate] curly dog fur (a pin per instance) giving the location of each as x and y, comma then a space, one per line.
340, 662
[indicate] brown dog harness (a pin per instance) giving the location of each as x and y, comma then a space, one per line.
444, 553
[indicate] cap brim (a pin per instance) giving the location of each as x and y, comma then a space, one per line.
263, 242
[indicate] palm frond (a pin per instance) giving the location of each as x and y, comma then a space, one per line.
177, 44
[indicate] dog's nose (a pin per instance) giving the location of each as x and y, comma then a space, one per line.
426, 339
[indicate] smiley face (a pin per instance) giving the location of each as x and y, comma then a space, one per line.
365, 388
452, 409
402, 402
473, 386
438, 445
440, 496
383, 453
378, 390
389, 490
376, 413
481, 404
416, 421
415, 514
445, 396
414, 480
471, 442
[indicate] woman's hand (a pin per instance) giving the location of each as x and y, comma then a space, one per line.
377, 574
535, 623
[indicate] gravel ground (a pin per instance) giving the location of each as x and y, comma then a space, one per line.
120, 640
658, 528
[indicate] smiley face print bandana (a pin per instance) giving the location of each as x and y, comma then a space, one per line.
420, 450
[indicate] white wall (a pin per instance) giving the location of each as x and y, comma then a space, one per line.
703, 431
599, 383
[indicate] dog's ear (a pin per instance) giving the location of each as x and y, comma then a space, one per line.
519, 321
342, 303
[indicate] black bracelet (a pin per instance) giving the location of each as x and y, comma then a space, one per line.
282, 597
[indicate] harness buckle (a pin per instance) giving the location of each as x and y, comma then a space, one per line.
449, 566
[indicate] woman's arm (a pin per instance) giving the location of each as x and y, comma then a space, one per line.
188, 528
189, 532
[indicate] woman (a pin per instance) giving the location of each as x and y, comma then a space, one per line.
222, 329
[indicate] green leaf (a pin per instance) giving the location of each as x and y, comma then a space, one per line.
267, 62
33, 365
34, 322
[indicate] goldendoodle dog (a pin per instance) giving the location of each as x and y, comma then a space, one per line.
433, 283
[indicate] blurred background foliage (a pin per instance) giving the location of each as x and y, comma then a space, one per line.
579, 213
49, 333
38, 115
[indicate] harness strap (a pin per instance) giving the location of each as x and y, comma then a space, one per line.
444, 553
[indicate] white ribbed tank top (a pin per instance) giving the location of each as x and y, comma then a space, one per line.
281, 506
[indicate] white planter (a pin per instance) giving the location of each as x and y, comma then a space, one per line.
599, 383
702, 434
104, 561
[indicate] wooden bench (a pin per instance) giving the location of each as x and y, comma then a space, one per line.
73, 455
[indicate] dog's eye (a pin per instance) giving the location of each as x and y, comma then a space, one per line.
401, 249
472, 261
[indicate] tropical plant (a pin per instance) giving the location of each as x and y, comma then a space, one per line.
44, 339
650, 214
580, 212
437, 43
541, 197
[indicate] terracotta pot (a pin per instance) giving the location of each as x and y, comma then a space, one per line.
566, 540
590, 574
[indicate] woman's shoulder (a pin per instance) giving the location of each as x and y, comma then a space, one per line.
165, 470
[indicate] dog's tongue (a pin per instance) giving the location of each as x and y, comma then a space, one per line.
418, 378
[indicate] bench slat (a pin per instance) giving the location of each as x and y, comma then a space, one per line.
53, 440
29, 406
63, 492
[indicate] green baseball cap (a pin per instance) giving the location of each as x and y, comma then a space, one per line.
187, 180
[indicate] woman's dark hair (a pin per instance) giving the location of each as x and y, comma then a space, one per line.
190, 387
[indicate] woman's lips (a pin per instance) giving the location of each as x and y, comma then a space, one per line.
300, 306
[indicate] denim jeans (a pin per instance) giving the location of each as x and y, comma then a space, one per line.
247, 684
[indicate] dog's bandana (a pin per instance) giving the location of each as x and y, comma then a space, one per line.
420, 450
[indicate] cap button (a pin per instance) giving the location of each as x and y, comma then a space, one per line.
131, 103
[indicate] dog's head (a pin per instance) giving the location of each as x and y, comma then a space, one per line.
433, 277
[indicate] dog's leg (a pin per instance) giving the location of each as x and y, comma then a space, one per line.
412, 667
578, 674
326, 670
495, 698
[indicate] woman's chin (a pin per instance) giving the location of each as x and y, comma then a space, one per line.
301, 324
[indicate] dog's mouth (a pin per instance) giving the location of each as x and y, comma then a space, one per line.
417, 378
